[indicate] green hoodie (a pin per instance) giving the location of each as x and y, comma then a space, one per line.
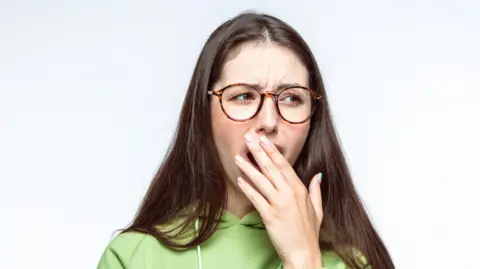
237, 243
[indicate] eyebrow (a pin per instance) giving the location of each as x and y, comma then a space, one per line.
277, 88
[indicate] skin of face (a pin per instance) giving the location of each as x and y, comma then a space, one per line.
268, 65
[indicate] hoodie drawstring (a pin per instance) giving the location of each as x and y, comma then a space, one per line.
199, 251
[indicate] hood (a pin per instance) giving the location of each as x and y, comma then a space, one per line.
252, 219
228, 220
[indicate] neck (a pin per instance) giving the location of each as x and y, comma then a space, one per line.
238, 204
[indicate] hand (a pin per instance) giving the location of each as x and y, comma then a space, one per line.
292, 216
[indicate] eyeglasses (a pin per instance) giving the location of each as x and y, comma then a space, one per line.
242, 102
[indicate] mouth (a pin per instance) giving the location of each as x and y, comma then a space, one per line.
252, 160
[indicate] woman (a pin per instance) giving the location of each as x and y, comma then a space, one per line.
255, 130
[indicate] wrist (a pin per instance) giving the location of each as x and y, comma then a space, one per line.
304, 260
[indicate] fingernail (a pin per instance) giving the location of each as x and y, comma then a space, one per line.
248, 137
319, 178
264, 140
238, 158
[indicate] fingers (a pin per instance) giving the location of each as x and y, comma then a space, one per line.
256, 177
316, 195
254, 196
279, 161
263, 159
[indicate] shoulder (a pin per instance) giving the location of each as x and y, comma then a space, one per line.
130, 242
332, 260
126, 248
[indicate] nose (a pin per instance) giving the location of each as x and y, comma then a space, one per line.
267, 118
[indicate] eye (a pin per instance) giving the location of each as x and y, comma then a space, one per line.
243, 97
292, 99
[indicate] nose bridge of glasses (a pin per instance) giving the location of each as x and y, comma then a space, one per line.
268, 107
267, 115
273, 108
271, 94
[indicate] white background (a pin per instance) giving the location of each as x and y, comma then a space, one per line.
90, 92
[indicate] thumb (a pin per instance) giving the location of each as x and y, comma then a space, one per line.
316, 195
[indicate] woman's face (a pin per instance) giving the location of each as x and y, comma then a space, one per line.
269, 66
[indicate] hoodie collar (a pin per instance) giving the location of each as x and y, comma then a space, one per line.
227, 220
252, 219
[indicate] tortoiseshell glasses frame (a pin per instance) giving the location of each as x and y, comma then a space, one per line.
316, 97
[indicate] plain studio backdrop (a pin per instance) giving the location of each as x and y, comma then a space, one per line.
90, 93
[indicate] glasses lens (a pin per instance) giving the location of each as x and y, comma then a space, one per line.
240, 102
295, 104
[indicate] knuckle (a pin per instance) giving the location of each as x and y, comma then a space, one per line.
272, 149
266, 167
282, 164
257, 150
269, 167
298, 190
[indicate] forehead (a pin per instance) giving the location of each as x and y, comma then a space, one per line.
265, 64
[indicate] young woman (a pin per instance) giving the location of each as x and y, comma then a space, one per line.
255, 177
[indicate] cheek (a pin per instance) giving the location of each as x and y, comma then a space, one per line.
297, 135
218, 124
223, 132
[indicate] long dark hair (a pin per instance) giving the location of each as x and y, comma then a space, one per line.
191, 174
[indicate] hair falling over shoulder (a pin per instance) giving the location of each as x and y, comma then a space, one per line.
191, 174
